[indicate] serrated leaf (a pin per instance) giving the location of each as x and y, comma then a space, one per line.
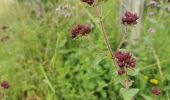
128, 94
133, 72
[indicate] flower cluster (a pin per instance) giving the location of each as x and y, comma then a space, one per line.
81, 29
65, 10
5, 85
129, 18
125, 59
120, 72
90, 2
155, 91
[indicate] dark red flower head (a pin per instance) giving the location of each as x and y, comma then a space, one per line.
5, 85
120, 72
90, 2
155, 90
125, 59
81, 29
129, 18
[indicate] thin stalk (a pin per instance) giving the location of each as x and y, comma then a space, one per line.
152, 65
104, 33
158, 63
156, 57
47, 79
123, 38
127, 79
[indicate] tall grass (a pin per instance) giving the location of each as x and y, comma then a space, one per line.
42, 62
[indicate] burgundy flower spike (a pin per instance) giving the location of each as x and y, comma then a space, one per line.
120, 72
90, 2
5, 85
81, 29
129, 18
125, 59
155, 91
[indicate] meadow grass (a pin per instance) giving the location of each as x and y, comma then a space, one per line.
42, 62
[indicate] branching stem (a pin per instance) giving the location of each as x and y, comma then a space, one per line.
98, 13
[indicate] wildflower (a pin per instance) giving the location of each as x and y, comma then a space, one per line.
120, 72
151, 30
125, 59
155, 91
81, 29
59, 8
153, 81
129, 18
145, 77
66, 7
86, 29
64, 10
90, 2
151, 13
152, 3
5, 84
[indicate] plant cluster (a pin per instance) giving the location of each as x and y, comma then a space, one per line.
5, 85
122, 59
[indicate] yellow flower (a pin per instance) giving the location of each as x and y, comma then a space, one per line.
145, 77
153, 81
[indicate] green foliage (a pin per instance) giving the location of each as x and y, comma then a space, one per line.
42, 62
128, 94
133, 72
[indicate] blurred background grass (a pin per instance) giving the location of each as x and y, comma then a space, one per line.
42, 62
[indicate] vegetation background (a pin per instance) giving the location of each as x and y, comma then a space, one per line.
41, 62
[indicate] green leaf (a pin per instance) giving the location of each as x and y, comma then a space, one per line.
133, 72
98, 59
146, 97
128, 94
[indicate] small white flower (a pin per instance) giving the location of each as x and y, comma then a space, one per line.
151, 30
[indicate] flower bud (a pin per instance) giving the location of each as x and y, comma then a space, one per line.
155, 91
5, 84
120, 72
125, 59
80, 29
129, 18
90, 2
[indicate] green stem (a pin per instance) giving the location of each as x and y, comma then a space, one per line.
104, 33
47, 79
